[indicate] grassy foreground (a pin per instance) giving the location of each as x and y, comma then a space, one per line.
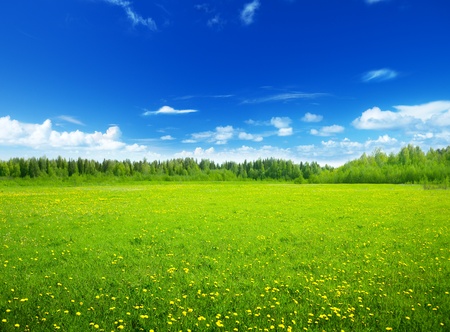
225, 257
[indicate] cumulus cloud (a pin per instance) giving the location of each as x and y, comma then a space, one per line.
283, 125
327, 130
169, 110
309, 117
375, 118
434, 114
133, 16
379, 75
37, 136
248, 13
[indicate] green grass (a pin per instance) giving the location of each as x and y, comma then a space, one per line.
224, 257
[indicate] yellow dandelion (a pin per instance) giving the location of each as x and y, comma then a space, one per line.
219, 323
78, 313
388, 328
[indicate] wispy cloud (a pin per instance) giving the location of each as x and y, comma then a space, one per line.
167, 138
216, 21
327, 131
282, 124
187, 97
250, 137
379, 75
248, 13
434, 114
133, 16
309, 117
371, 2
288, 96
221, 135
70, 119
169, 110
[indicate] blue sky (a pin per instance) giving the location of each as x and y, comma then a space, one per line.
322, 80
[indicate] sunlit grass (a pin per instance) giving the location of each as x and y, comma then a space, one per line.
225, 257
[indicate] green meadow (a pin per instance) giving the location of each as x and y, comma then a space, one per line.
224, 257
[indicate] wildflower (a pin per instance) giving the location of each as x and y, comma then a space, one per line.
16, 325
388, 328
78, 313
219, 323
4, 320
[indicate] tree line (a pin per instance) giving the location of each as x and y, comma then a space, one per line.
410, 165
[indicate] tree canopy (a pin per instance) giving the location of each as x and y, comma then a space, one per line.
409, 165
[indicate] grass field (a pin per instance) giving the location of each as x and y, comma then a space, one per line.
225, 257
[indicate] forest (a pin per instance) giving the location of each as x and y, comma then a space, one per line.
409, 165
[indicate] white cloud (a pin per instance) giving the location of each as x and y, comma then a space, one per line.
385, 139
248, 13
283, 125
375, 118
221, 135
136, 148
428, 111
379, 75
250, 137
42, 136
169, 110
285, 131
134, 17
167, 138
280, 122
434, 114
198, 153
309, 117
327, 130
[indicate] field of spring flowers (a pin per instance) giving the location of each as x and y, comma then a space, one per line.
225, 257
